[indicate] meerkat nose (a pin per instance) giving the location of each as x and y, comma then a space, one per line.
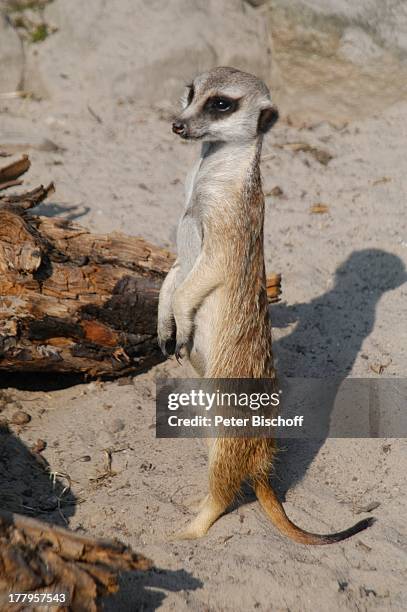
178, 127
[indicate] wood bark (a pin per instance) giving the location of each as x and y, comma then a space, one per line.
38, 558
73, 301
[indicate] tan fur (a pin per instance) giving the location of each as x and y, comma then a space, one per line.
219, 302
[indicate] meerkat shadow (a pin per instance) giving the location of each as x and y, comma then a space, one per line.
326, 341
147, 591
29, 486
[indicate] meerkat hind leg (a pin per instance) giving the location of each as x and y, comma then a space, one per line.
210, 511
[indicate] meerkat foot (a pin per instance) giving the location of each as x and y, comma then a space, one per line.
196, 503
273, 288
210, 511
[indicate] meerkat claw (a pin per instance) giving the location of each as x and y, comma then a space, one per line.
177, 354
168, 347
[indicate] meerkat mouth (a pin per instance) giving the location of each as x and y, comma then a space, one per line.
190, 136
193, 137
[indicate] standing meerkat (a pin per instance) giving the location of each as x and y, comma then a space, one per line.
213, 304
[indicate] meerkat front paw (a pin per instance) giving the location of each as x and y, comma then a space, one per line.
184, 333
166, 333
183, 322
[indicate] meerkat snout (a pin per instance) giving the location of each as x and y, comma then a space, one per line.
178, 127
225, 105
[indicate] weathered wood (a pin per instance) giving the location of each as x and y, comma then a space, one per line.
73, 301
9, 175
38, 558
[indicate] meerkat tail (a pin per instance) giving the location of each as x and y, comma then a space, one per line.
275, 511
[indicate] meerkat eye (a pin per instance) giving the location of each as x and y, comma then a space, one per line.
221, 104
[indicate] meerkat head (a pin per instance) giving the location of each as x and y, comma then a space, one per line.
225, 105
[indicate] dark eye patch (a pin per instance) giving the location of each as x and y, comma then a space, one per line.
220, 106
191, 93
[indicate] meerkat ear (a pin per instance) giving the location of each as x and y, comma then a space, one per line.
267, 118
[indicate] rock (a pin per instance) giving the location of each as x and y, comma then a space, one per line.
11, 58
39, 446
85, 458
48, 503
277, 192
162, 46
256, 3
20, 418
337, 60
385, 20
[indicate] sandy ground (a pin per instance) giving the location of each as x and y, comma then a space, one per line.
344, 313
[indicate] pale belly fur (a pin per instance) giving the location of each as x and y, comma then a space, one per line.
206, 328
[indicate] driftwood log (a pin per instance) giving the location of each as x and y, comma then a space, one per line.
73, 301
37, 558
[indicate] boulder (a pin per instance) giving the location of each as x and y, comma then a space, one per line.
337, 60
161, 45
11, 57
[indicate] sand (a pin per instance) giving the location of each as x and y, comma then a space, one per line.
343, 313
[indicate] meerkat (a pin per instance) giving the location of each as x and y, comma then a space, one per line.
213, 305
